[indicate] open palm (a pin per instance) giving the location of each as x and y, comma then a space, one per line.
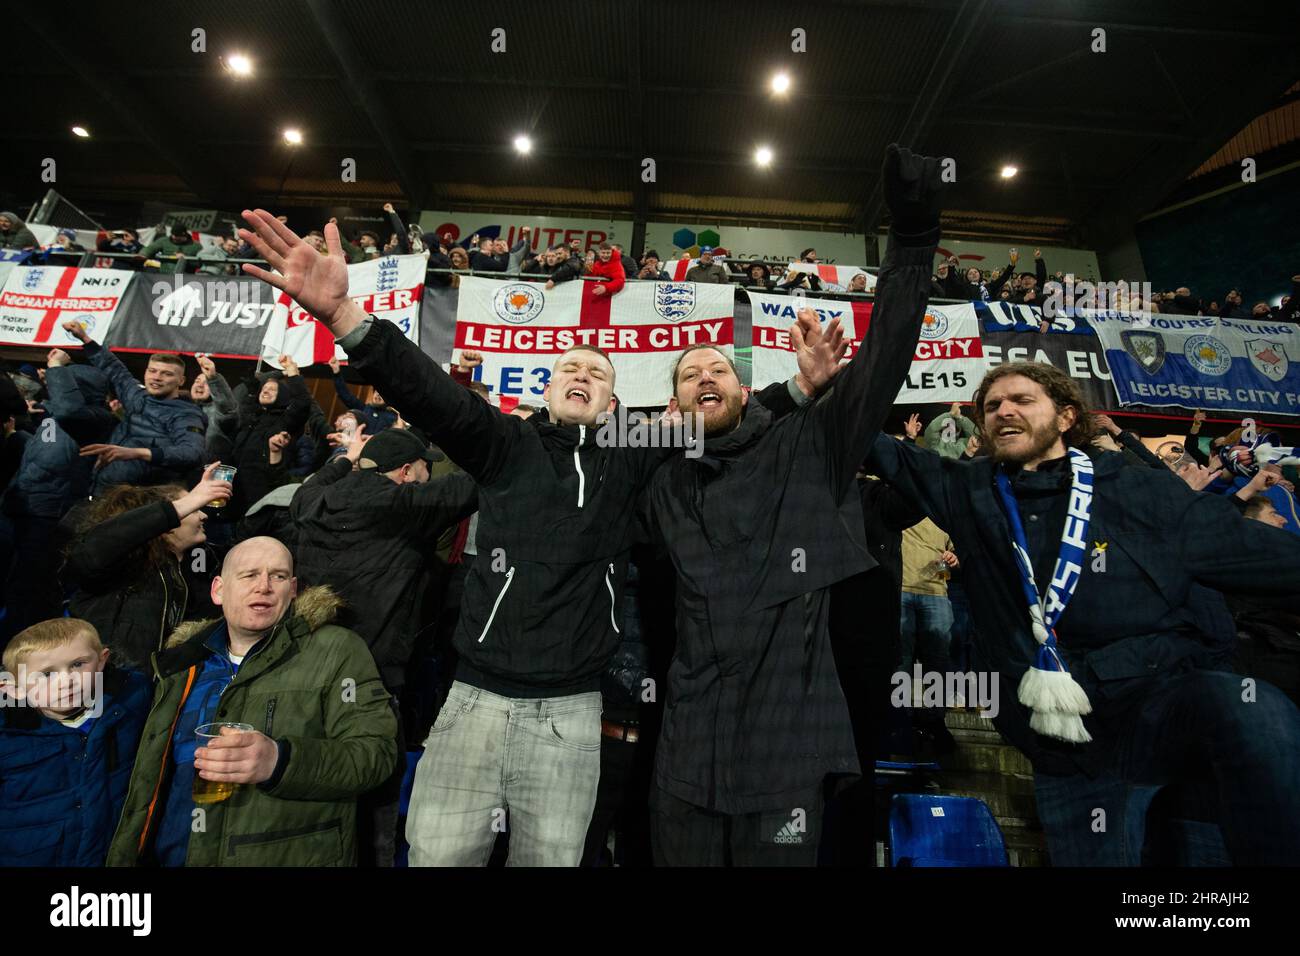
318, 283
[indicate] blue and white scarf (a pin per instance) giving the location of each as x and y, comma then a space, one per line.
1056, 700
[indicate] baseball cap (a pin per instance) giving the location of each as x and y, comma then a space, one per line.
70, 233
704, 249
394, 447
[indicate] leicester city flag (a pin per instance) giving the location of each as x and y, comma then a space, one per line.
1227, 365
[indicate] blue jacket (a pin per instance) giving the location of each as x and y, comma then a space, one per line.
52, 475
374, 418
62, 790
173, 429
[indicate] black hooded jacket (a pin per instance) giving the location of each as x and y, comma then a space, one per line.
258, 422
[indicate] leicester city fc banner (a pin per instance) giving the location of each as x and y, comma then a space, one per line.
947, 365
522, 328
36, 300
1230, 365
388, 288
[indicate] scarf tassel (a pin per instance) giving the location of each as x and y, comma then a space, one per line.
1055, 698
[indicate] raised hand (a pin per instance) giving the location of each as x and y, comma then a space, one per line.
318, 283
818, 351
1106, 422
57, 358
206, 365
208, 489
470, 359
334, 364
288, 364
912, 426
356, 443
955, 411
914, 189
107, 454
76, 330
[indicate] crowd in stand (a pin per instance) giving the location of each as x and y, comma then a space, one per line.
565, 262
427, 569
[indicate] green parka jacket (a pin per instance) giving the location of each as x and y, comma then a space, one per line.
315, 690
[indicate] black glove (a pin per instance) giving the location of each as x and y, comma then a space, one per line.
914, 189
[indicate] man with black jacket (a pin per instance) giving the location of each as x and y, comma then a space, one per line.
1112, 634
539, 612
760, 528
371, 535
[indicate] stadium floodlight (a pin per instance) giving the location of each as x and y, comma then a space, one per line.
240, 65
523, 145
1009, 171
781, 83
293, 137
81, 131
763, 156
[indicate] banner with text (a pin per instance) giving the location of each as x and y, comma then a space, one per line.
36, 300
1231, 365
947, 365
521, 328
227, 317
388, 288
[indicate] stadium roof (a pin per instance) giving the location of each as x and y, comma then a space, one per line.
412, 91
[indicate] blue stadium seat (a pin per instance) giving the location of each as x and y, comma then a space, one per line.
935, 830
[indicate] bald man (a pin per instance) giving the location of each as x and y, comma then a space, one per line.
315, 730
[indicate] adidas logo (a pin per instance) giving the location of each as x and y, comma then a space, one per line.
788, 834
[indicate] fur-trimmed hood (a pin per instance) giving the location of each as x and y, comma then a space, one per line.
317, 606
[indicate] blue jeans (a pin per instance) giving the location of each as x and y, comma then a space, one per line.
924, 627
1193, 729
537, 759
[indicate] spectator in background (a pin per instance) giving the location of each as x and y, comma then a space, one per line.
161, 435
608, 270
488, 256
211, 393
576, 250
948, 434
172, 251
14, 233
629, 264
281, 404
804, 280
650, 268
1029, 285
136, 565
567, 267
707, 270
51, 478
66, 241
458, 259
313, 754
215, 256
120, 241
1232, 307
66, 756
760, 277
588, 258
374, 412
858, 284
1288, 310
371, 535
928, 561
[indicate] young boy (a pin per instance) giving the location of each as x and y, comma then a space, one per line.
69, 728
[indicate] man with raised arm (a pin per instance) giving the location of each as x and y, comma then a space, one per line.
1081, 575
759, 528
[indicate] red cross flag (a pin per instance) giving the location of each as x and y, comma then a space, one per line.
522, 328
37, 300
389, 288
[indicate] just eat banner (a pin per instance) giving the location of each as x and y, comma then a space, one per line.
37, 300
522, 328
948, 362
388, 288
